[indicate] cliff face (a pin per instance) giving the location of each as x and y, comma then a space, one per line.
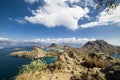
100, 46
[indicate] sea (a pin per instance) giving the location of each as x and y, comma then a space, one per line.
10, 66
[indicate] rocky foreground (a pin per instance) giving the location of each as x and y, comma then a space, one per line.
91, 62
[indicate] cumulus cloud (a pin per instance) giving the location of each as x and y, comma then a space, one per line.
4, 39
68, 13
31, 1
58, 13
72, 40
104, 19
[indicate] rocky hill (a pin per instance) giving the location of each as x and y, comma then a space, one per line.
99, 46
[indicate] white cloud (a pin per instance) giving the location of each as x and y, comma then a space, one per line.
74, 1
84, 3
72, 40
4, 39
104, 19
114, 41
18, 20
31, 1
87, 3
58, 13
10, 18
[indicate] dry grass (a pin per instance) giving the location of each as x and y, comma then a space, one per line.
93, 62
56, 67
86, 77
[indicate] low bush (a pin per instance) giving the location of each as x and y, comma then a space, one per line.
36, 65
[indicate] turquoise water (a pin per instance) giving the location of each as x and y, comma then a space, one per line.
115, 55
49, 60
9, 66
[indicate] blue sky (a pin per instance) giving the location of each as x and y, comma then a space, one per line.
57, 20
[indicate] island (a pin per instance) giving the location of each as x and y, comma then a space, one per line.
91, 62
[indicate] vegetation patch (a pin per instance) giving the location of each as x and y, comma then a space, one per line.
36, 65
93, 62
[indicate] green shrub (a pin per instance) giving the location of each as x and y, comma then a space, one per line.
36, 65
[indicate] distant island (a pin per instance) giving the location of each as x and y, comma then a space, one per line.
1, 47
90, 62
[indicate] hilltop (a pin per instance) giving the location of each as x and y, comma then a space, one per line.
99, 46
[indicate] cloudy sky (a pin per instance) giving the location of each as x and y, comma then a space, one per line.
60, 21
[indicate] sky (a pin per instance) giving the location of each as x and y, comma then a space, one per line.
59, 21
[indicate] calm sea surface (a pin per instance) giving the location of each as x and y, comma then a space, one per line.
9, 66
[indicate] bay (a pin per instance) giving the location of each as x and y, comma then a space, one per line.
10, 66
